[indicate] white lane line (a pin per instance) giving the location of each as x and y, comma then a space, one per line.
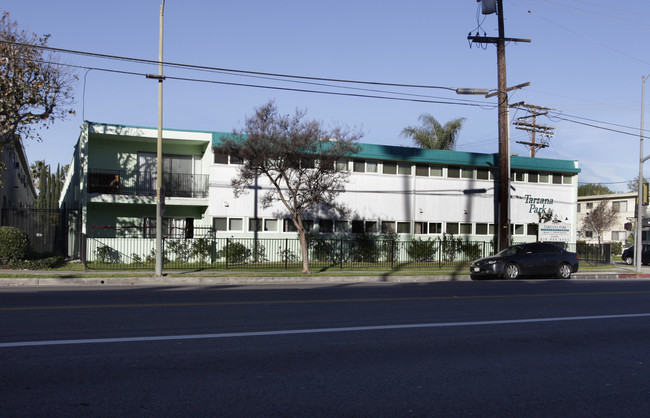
312, 331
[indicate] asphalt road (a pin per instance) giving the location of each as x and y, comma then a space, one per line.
496, 348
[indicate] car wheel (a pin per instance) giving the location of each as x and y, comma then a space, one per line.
511, 271
629, 261
564, 271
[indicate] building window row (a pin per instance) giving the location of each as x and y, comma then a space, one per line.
426, 170
334, 226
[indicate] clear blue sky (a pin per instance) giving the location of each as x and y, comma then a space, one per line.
586, 60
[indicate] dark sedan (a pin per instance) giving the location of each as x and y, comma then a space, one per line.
532, 259
628, 255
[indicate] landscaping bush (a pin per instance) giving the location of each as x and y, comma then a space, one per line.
14, 244
235, 252
421, 250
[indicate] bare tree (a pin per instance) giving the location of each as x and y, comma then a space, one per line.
34, 90
298, 157
601, 218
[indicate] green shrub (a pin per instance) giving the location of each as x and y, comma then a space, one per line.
617, 248
421, 250
14, 244
235, 252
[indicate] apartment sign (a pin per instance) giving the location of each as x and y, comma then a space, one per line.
554, 232
537, 204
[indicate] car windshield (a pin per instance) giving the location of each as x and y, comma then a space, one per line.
512, 250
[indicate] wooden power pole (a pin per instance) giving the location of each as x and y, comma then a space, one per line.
529, 123
503, 188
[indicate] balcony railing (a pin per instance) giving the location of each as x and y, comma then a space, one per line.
143, 183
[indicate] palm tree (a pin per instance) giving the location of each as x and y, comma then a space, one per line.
432, 135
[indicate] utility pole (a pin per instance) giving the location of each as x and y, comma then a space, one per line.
503, 188
533, 128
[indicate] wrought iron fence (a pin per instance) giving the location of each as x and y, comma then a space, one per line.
204, 251
246, 253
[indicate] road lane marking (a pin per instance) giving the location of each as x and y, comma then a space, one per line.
313, 331
309, 301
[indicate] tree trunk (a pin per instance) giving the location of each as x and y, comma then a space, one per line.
305, 251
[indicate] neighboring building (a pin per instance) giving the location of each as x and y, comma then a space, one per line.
17, 188
625, 225
413, 192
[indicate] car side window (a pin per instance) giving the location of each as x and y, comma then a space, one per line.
535, 249
550, 248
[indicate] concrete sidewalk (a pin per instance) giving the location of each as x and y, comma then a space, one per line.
44, 278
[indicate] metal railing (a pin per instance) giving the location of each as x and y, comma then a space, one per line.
143, 183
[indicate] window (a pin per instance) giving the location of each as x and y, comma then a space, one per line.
371, 226
543, 178
589, 234
620, 206
481, 229
619, 235
517, 176
420, 227
532, 230
590, 205
220, 224
467, 173
342, 165
371, 167
422, 170
326, 226
236, 160
466, 229
453, 172
567, 179
404, 169
452, 228
254, 225
435, 228
482, 174
308, 224
387, 227
557, 178
220, 158
271, 225
403, 227
533, 178
357, 227
171, 227
518, 229
435, 171
341, 226
579, 204
235, 224
359, 166
389, 168
289, 226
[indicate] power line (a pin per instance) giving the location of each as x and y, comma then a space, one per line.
229, 70
460, 102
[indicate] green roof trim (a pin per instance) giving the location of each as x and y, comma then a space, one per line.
470, 159
425, 156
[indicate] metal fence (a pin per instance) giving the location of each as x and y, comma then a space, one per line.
50, 231
363, 251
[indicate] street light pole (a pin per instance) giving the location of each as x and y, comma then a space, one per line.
159, 154
638, 241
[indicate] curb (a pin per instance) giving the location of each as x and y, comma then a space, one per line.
203, 281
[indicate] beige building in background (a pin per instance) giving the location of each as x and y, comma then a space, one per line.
624, 203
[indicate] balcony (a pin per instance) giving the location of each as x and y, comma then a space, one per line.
143, 183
